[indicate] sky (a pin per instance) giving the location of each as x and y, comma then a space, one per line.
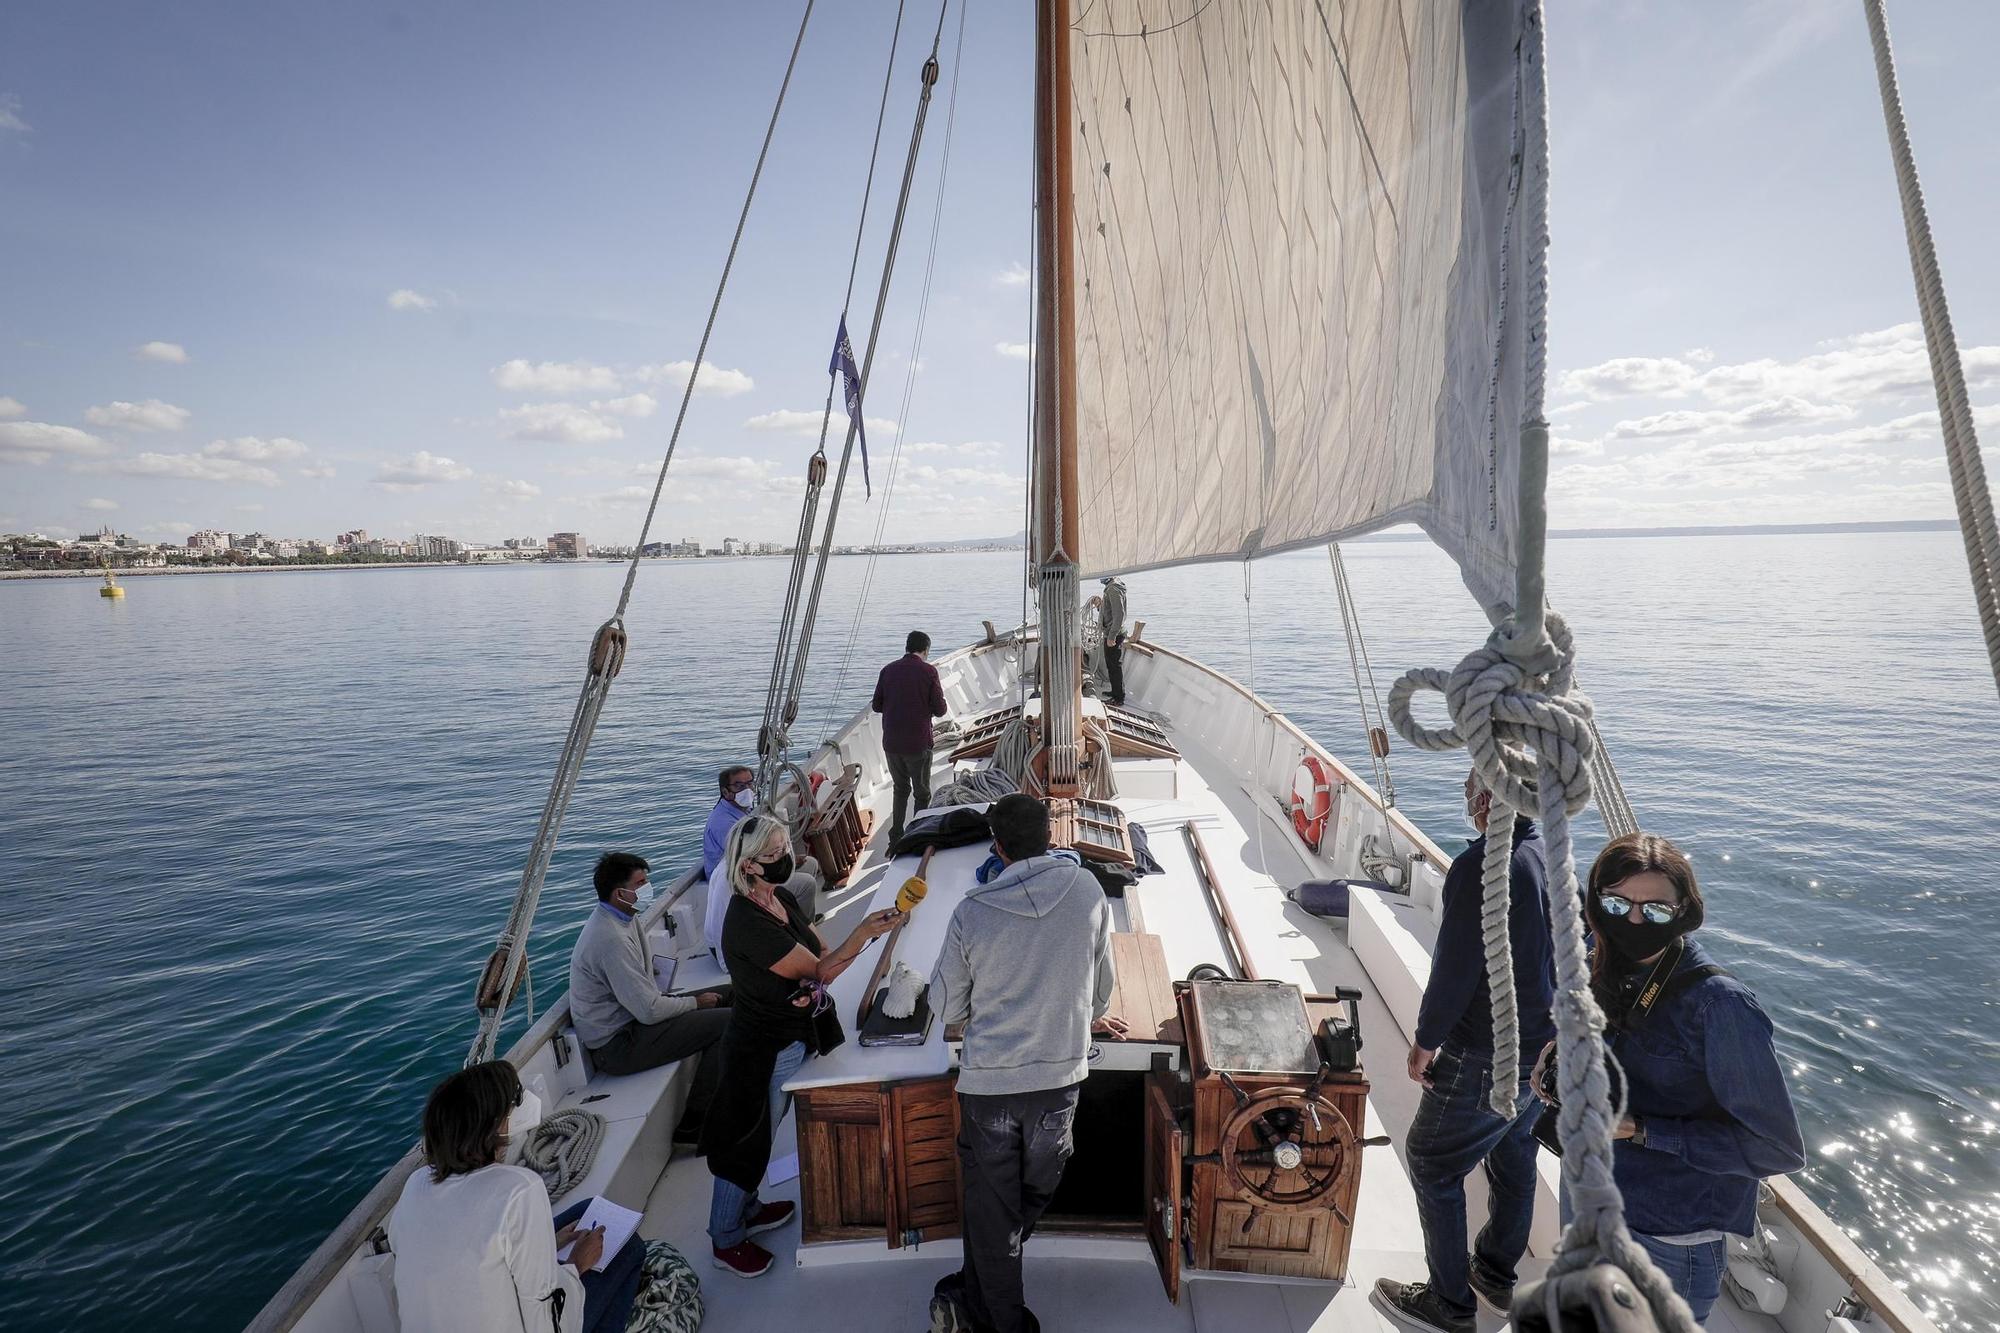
300, 268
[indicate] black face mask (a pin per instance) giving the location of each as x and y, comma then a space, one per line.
1633, 940
778, 871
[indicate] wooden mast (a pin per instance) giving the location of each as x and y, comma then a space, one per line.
1055, 545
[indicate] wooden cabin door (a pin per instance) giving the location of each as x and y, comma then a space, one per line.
1166, 1146
920, 1141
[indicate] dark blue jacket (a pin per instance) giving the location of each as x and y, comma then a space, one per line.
1704, 1078
1456, 1008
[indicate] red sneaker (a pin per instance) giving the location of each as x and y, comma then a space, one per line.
772, 1216
747, 1259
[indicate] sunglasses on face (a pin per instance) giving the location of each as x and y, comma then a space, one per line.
1657, 914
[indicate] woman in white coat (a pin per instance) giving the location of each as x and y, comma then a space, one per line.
474, 1241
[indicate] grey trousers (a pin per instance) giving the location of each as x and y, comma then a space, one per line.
1011, 1154
639, 1046
912, 776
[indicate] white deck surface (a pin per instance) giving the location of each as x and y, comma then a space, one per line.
1116, 1287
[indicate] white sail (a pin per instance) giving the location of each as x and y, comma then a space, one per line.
1290, 221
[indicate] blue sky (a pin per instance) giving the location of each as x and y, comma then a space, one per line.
299, 268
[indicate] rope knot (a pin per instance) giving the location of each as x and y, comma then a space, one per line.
1505, 714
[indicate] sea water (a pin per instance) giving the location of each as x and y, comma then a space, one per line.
260, 830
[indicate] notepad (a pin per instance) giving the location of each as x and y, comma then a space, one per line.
618, 1223
663, 972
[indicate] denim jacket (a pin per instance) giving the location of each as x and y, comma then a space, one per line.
1704, 1078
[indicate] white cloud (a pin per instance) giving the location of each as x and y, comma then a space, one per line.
36, 441
1626, 376
11, 408
713, 382
1885, 365
1768, 415
957, 476
172, 353
101, 505
624, 495
316, 471
516, 490
521, 376
247, 509
790, 421
561, 423
149, 415
1016, 351
10, 115
204, 466
405, 299
420, 469
1014, 275
969, 449
632, 405
256, 449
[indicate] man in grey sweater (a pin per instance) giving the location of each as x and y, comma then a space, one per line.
1026, 967
621, 1014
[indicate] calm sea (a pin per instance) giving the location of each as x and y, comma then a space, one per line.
259, 831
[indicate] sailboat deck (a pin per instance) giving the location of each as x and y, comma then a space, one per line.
1078, 1282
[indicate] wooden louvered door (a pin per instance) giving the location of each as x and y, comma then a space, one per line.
920, 1136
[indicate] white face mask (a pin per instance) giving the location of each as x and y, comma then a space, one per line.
524, 1117
1472, 812
745, 798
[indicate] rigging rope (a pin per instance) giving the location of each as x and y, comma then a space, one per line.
1369, 699
607, 648
810, 616
1515, 707
772, 734
1969, 487
832, 711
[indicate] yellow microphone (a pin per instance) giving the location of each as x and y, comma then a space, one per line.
911, 893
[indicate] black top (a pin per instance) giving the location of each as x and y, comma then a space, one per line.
1456, 1007
752, 940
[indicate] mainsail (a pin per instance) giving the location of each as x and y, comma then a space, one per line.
1296, 231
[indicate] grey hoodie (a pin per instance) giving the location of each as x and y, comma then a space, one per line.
1026, 966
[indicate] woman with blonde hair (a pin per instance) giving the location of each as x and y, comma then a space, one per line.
1707, 1113
779, 968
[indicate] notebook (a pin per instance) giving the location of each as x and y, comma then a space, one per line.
878, 1029
618, 1223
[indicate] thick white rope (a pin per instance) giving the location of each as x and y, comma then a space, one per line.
1969, 487
1515, 707
562, 1148
608, 645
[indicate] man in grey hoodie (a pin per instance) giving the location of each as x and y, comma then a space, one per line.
1026, 967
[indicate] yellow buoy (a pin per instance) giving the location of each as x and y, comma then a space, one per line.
110, 588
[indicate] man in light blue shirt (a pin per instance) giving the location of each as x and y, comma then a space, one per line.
737, 799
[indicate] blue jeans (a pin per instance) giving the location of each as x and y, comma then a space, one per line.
1455, 1131
1695, 1270
731, 1207
608, 1295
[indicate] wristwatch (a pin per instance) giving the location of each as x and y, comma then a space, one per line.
1638, 1139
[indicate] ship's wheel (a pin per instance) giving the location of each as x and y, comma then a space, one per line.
1290, 1150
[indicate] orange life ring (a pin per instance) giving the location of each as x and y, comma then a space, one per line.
1312, 799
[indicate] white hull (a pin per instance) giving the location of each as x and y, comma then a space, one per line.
1238, 759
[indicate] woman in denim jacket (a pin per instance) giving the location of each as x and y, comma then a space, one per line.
1708, 1115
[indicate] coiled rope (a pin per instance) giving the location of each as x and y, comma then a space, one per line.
562, 1149
1969, 488
1515, 707
607, 654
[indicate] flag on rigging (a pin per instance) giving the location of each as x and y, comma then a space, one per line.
843, 365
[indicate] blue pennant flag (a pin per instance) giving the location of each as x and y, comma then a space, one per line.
843, 364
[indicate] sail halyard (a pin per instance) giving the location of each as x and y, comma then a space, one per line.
1056, 539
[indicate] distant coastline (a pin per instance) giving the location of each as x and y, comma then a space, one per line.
956, 548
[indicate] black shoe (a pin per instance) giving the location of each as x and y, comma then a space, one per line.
1415, 1305
1498, 1299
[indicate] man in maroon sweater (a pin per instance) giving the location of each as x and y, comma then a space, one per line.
908, 695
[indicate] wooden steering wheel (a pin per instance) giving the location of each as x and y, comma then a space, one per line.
1290, 1150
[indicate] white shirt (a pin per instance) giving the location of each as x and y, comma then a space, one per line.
476, 1253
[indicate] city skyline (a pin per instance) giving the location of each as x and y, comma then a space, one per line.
243, 296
